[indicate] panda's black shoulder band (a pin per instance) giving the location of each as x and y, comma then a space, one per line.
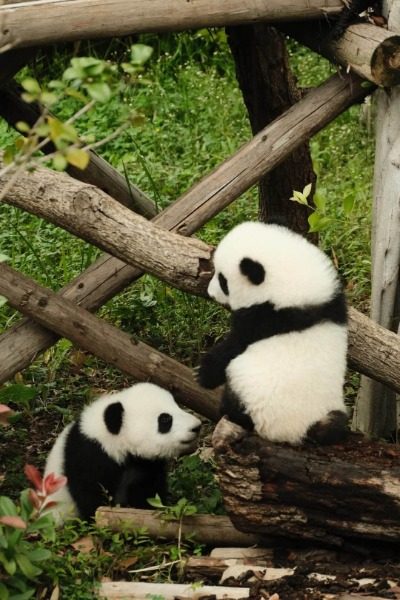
264, 320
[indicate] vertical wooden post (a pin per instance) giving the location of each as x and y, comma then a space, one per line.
375, 410
269, 89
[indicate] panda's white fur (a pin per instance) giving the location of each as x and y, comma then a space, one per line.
138, 439
290, 380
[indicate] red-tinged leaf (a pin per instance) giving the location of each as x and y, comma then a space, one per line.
34, 476
34, 499
15, 522
52, 483
51, 504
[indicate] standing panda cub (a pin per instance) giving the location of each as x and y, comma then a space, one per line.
284, 359
118, 449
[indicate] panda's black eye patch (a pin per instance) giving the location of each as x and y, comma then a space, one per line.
164, 422
113, 416
253, 270
223, 284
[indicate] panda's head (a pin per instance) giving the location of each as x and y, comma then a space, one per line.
257, 262
143, 420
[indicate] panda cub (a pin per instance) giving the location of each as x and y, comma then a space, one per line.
283, 361
118, 450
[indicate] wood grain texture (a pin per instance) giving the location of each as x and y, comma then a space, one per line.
125, 590
47, 21
328, 496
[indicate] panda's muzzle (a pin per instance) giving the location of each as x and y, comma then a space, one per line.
191, 441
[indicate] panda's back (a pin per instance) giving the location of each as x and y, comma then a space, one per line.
288, 381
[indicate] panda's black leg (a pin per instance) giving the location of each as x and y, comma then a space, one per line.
331, 430
88, 499
233, 409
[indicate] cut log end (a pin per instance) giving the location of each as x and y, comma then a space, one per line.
335, 495
385, 62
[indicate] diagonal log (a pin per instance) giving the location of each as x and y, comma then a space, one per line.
109, 275
52, 21
98, 172
105, 341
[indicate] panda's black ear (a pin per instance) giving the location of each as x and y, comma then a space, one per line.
253, 270
113, 416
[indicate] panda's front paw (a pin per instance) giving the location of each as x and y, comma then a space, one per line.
208, 375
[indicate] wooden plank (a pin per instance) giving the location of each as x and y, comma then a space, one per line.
106, 341
125, 590
49, 21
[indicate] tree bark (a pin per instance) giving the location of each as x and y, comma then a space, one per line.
334, 495
375, 410
371, 52
105, 341
98, 172
208, 529
269, 89
86, 19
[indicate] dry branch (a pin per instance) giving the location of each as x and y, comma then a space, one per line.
51, 21
326, 495
208, 529
371, 52
105, 341
98, 172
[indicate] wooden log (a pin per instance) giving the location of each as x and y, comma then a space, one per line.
371, 52
98, 172
26, 25
90, 333
125, 590
211, 568
94, 216
332, 495
208, 529
203, 201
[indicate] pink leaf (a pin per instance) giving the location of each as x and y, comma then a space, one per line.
34, 499
15, 522
52, 483
34, 476
5, 414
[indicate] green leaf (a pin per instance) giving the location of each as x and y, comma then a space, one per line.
320, 201
9, 154
27, 567
39, 554
9, 564
4, 257
99, 91
348, 203
307, 190
4, 595
22, 126
140, 53
24, 595
31, 85
7, 506
78, 157
60, 163
3, 301
20, 394
48, 98
299, 197
155, 502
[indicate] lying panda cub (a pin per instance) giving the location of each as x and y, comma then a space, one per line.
118, 450
284, 359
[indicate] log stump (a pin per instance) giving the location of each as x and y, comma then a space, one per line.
338, 496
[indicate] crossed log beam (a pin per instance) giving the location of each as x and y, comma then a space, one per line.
183, 263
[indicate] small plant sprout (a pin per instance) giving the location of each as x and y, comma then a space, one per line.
302, 197
44, 487
317, 220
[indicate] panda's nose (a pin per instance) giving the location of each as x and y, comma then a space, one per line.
196, 429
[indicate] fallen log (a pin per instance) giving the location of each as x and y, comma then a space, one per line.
371, 52
125, 590
108, 275
105, 341
87, 19
335, 496
207, 529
